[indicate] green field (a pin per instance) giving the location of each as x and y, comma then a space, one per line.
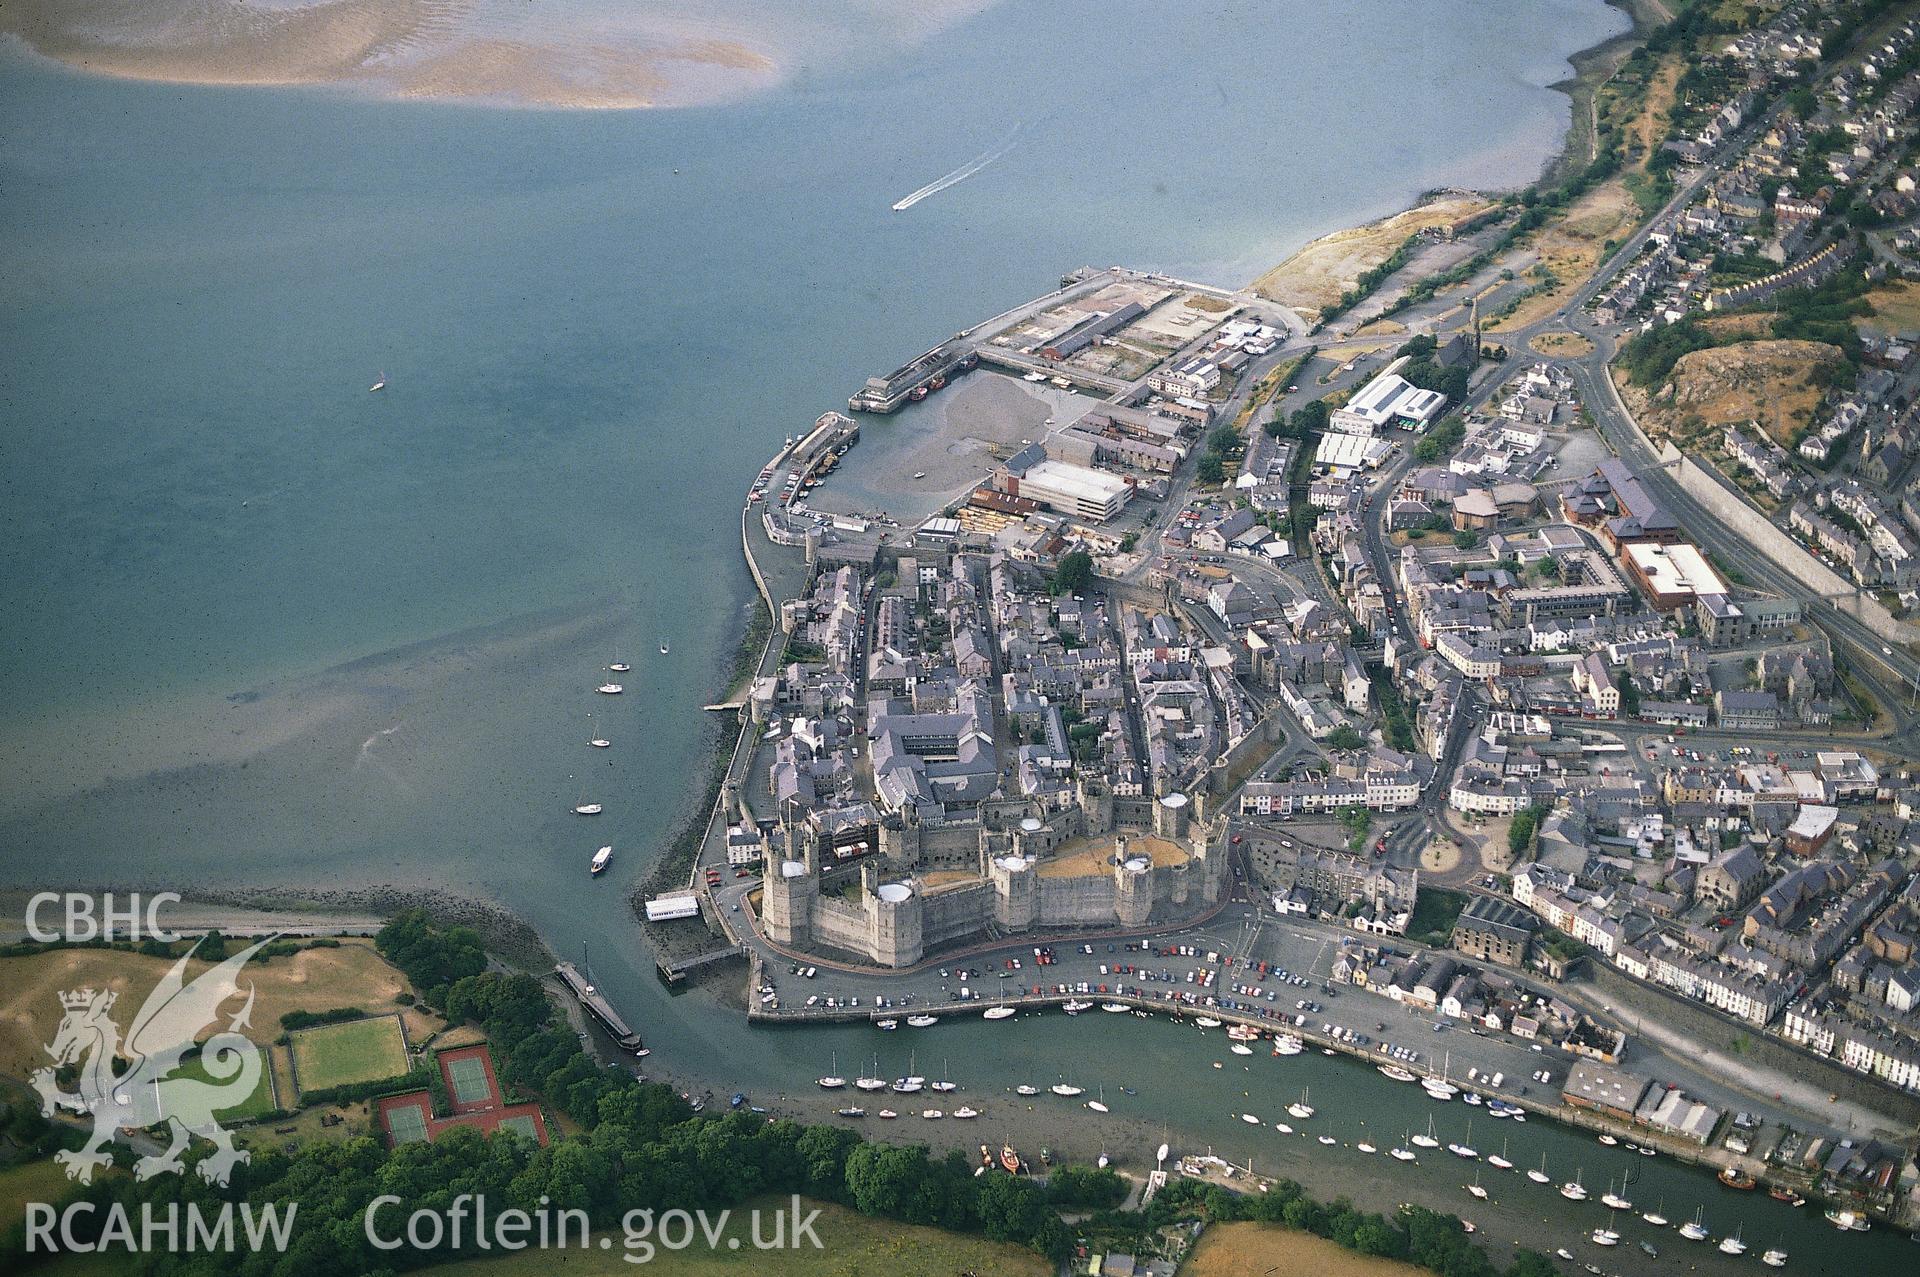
852, 1245
352, 1051
259, 1102
41, 1181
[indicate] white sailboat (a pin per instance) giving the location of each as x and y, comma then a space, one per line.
609, 689
1066, 1090
997, 1013
1613, 1201
1774, 1257
911, 1082
379, 383
1573, 1190
1499, 1160
872, 1081
1400, 1152
1475, 1188
832, 1081
1654, 1216
1465, 1148
600, 742
945, 1084
1300, 1108
1695, 1229
1539, 1175
1733, 1245
1099, 1105
1427, 1140
587, 809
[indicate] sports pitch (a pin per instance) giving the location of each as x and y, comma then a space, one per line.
353, 1051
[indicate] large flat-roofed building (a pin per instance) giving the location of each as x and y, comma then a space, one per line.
1610, 1090
1672, 575
1387, 399
1070, 489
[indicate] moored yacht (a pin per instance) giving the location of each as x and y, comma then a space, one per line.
1695, 1229
832, 1081
1499, 1160
1427, 1140
610, 689
1300, 1108
996, 1013
1573, 1190
1066, 1090
1733, 1245
600, 859
1774, 1257
1539, 1174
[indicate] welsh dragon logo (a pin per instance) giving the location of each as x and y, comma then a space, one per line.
149, 1093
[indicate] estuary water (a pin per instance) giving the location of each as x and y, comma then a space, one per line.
258, 625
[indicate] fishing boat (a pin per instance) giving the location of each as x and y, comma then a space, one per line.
379, 383
1499, 1160
1734, 1177
1067, 1090
1733, 1245
1774, 1257
600, 859
1695, 1229
1573, 1190
1847, 1221
997, 1013
1539, 1174
1427, 1140
600, 742
852, 1110
1009, 1159
587, 809
1075, 1006
1243, 1033
944, 1084
610, 689
922, 1021
1395, 1072
1300, 1108
1779, 1194
963, 1112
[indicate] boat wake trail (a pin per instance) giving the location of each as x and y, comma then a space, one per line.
962, 173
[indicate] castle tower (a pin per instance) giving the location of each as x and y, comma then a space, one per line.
788, 890
895, 923
1096, 805
1132, 886
1170, 817
1015, 895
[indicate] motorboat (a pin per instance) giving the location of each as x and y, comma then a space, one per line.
1650, 1250
1564, 1253
1113, 1008
610, 689
964, 1113
886, 1026
1608, 1140
922, 1021
600, 859
852, 1110
1847, 1221
619, 667
932, 1115
996, 1013
587, 809
1250, 1119
1287, 1044
1241, 1048
886, 1114
664, 649
1026, 1089
1067, 1090
1283, 1128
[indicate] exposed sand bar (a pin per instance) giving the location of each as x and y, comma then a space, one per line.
1318, 274
482, 50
